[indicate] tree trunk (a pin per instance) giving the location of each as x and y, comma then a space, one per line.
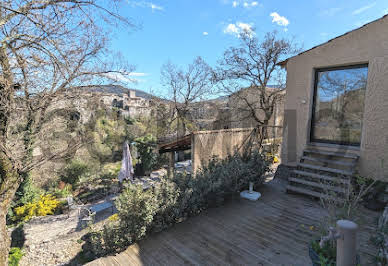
5, 240
181, 133
10, 181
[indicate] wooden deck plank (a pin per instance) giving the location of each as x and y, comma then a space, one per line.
266, 232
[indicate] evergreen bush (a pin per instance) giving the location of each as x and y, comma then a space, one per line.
175, 198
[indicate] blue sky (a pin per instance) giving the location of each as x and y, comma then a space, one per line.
180, 30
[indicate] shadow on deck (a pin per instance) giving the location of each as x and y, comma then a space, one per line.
271, 231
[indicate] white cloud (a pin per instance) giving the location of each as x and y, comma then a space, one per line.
145, 4
280, 20
231, 29
126, 77
245, 4
363, 9
330, 12
238, 28
155, 7
205, 33
385, 12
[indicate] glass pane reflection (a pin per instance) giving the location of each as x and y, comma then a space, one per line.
339, 105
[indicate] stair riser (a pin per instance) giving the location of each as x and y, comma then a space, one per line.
330, 165
317, 186
344, 160
325, 170
335, 148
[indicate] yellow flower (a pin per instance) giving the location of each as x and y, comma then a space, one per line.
46, 205
113, 217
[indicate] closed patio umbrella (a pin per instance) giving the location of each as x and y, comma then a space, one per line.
126, 171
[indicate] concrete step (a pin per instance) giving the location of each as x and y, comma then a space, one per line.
334, 154
322, 177
328, 161
326, 169
311, 193
317, 185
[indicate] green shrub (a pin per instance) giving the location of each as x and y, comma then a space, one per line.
174, 199
62, 193
73, 172
145, 146
26, 193
136, 209
327, 253
168, 210
15, 254
221, 179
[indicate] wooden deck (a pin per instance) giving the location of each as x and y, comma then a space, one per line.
272, 231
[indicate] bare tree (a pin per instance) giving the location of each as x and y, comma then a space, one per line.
186, 87
246, 71
46, 48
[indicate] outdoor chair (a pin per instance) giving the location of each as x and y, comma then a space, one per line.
86, 216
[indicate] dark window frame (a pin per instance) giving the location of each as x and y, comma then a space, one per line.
316, 72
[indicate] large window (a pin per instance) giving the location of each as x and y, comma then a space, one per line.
339, 104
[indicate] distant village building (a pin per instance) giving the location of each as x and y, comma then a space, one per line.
125, 100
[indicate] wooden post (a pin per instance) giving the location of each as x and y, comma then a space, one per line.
346, 243
171, 163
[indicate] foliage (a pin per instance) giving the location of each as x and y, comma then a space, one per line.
145, 146
346, 209
174, 199
379, 241
64, 192
73, 172
136, 209
26, 193
168, 210
327, 253
160, 161
46, 205
15, 254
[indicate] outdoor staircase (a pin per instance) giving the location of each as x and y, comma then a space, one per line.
324, 171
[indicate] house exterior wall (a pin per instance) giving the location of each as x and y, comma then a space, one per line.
368, 44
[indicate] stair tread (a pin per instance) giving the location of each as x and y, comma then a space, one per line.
310, 192
326, 169
337, 154
350, 164
319, 176
316, 184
